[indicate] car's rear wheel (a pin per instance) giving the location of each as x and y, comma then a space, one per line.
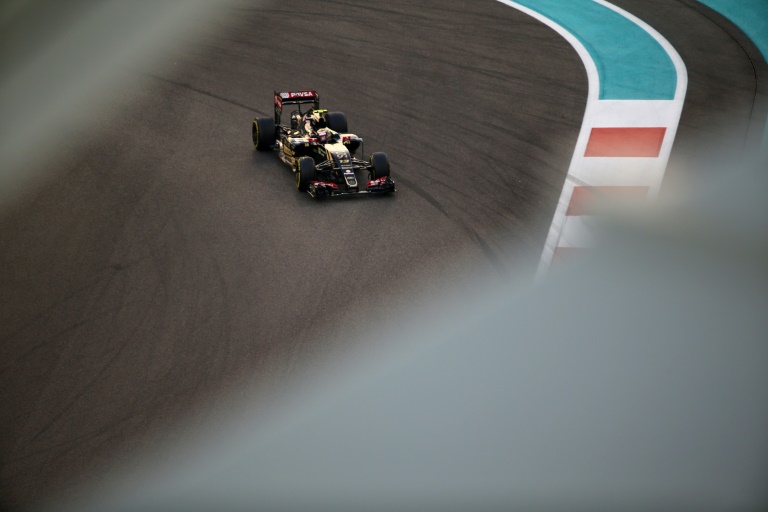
264, 134
305, 174
337, 121
380, 164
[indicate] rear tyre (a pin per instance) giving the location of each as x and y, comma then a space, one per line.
264, 135
305, 174
380, 165
337, 121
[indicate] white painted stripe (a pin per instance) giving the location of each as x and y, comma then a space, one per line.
558, 221
636, 113
619, 172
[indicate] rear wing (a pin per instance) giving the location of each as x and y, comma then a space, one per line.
294, 98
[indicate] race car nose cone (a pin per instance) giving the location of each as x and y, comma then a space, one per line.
350, 179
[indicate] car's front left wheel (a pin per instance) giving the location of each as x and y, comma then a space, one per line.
306, 173
380, 165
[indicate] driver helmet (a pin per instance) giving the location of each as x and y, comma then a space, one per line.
318, 118
322, 135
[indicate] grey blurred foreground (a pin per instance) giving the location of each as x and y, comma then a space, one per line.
62, 63
634, 380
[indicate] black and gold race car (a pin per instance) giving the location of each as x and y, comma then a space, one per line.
319, 149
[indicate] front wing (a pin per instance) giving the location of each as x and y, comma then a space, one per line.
319, 189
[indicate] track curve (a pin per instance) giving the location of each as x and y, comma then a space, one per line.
168, 261
725, 107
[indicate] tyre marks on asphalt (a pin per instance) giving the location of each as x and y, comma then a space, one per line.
206, 271
751, 17
210, 94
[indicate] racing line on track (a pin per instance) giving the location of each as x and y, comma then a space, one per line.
636, 94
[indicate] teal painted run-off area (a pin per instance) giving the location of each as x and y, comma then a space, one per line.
631, 64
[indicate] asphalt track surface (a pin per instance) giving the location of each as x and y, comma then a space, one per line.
166, 262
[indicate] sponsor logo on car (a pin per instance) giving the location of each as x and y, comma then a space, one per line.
302, 94
297, 95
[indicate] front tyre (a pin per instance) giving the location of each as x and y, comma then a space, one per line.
337, 121
306, 173
264, 134
380, 165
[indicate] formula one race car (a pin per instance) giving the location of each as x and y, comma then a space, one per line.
319, 149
